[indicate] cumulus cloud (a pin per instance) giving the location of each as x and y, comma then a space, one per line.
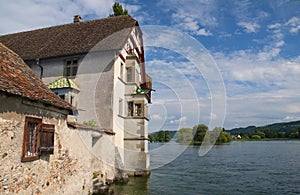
187, 22
274, 26
294, 24
156, 117
260, 91
249, 27
40, 14
178, 121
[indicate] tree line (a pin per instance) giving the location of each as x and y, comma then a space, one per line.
266, 133
161, 136
195, 135
192, 136
285, 130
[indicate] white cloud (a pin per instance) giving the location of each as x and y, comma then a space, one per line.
189, 23
249, 27
132, 9
204, 32
291, 118
294, 21
181, 120
294, 24
260, 91
279, 43
40, 14
274, 26
156, 117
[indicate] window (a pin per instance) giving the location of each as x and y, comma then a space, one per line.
38, 139
71, 67
62, 96
72, 100
121, 70
31, 139
135, 108
129, 74
138, 109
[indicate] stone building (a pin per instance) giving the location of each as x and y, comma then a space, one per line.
40, 153
102, 65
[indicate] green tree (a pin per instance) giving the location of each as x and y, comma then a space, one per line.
118, 10
256, 137
152, 138
199, 132
261, 134
185, 135
167, 136
161, 136
294, 135
224, 137
281, 135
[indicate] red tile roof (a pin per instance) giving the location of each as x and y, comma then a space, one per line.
68, 39
18, 79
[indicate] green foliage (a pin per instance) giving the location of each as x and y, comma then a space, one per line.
289, 130
271, 131
256, 137
195, 136
90, 123
118, 10
185, 135
294, 135
167, 136
152, 138
161, 136
95, 175
199, 132
260, 134
224, 137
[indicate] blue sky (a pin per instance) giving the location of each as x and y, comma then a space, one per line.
255, 45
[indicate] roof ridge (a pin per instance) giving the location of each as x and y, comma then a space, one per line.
69, 39
67, 24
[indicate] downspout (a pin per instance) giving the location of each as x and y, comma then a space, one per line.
41, 67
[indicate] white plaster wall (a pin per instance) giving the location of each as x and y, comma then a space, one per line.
96, 88
53, 68
119, 92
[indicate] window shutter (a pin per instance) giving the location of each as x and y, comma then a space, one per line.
47, 139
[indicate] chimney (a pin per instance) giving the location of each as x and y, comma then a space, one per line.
77, 18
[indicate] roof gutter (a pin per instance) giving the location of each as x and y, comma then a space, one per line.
41, 67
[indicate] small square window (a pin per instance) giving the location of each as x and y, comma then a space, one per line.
136, 109
38, 139
71, 67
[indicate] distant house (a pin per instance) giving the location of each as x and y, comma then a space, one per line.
98, 67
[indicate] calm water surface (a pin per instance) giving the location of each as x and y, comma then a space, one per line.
254, 167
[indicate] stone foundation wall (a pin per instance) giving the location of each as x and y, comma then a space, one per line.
70, 170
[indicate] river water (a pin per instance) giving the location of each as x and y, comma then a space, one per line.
251, 167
